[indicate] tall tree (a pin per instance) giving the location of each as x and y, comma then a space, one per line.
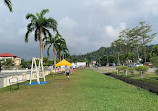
52, 41
62, 47
40, 25
145, 36
9, 4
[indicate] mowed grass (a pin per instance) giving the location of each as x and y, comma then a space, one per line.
86, 90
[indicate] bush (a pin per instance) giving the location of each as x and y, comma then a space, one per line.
156, 71
142, 68
124, 68
131, 70
119, 68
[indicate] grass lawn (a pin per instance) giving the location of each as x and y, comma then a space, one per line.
86, 90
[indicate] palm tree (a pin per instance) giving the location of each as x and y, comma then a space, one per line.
40, 25
9, 4
62, 47
52, 41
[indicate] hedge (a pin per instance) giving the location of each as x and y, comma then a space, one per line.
145, 85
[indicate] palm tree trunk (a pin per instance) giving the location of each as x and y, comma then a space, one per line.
60, 55
54, 57
41, 44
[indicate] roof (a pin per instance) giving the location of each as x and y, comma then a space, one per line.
7, 55
63, 62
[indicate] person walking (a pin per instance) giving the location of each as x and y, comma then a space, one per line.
67, 71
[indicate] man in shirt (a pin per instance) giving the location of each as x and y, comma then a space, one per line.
67, 71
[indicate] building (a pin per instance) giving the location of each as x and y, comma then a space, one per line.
16, 59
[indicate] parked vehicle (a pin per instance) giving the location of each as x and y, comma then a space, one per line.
148, 64
135, 65
138, 64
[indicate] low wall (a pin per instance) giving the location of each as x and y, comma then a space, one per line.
22, 77
145, 85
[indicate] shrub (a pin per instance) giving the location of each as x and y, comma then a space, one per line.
131, 70
119, 68
124, 68
142, 68
156, 71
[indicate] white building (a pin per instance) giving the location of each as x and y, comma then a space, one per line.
81, 64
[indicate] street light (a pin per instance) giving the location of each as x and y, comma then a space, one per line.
0, 63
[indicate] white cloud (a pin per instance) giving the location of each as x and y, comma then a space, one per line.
67, 23
112, 32
150, 6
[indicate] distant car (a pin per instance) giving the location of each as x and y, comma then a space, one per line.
135, 65
148, 64
138, 64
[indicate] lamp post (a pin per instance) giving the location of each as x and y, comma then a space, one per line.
0, 64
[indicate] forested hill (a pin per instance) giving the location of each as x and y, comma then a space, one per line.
110, 54
95, 55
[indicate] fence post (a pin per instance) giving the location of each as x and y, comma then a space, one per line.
117, 71
126, 72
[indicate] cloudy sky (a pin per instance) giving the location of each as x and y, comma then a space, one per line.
86, 25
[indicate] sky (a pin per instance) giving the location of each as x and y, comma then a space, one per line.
86, 25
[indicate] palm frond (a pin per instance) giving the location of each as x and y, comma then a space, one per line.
43, 12
47, 32
29, 30
48, 50
46, 38
36, 35
9, 4
31, 16
46, 43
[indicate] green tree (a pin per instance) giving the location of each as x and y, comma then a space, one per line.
40, 25
52, 41
145, 36
130, 38
26, 64
8, 62
9, 4
155, 61
61, 47
46, 61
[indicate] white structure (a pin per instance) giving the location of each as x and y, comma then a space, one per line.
37, 69
81, 64
74, 65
